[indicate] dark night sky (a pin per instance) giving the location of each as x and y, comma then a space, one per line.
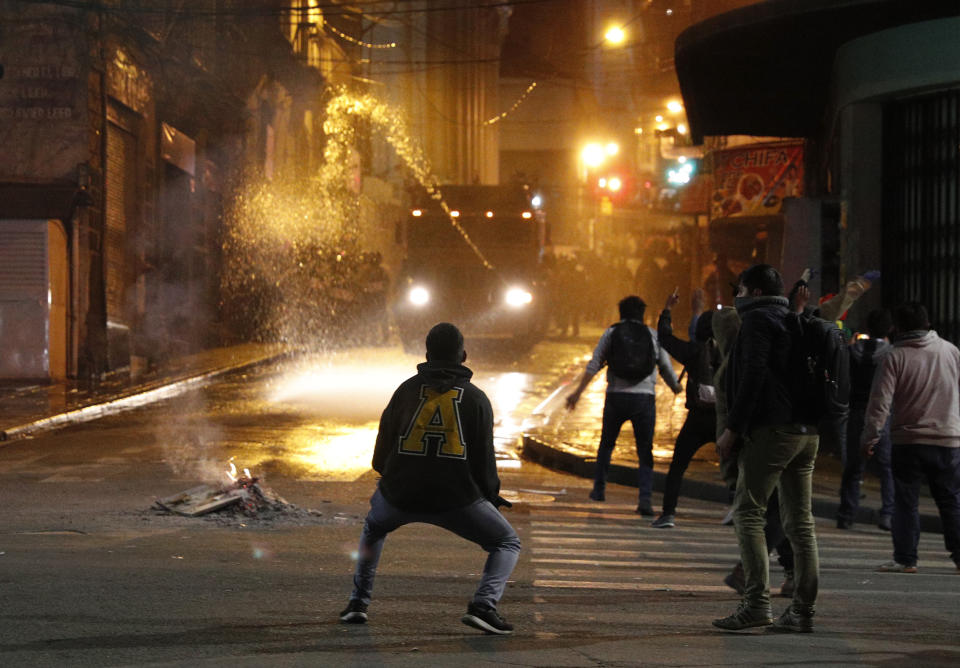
545, 39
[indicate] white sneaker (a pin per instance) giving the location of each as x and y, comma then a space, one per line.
895, 567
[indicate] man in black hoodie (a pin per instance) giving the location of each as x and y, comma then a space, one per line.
434, 452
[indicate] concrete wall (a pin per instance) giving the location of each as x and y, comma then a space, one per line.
43, 92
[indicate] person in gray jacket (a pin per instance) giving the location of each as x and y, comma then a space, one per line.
918, 386
626, 399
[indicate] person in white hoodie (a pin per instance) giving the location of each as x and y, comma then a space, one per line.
918, 386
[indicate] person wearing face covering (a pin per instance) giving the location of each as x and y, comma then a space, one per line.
778, 451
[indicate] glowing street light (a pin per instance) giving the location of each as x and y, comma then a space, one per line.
615, 35
612, 148
593, 155
674, 106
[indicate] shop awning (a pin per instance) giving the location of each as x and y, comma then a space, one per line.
765, 69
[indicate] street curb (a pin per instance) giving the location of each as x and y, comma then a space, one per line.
161, 389
536, 450
542, 453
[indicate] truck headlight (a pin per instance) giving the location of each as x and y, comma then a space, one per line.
518, 297
418, 295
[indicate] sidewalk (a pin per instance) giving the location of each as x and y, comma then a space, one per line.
28, 409
567, 441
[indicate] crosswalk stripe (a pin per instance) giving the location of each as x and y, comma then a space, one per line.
608, 563
693, 528
720, 565
699, 547
683, 587
579, 547
629, 586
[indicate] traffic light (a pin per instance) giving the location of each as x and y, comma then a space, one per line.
680, 172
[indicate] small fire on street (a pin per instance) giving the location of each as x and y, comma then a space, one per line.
240, 493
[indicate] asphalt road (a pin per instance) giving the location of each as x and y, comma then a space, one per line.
91, 576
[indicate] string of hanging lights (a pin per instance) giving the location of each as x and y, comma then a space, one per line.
360, 42
499, 117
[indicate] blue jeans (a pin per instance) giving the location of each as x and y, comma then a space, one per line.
854, 466
641, 410
480, 523
941, 467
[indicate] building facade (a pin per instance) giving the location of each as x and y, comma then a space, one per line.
873, 89
122, 125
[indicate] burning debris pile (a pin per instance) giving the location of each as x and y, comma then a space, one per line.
241, 495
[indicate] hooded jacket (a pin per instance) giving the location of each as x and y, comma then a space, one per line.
726, 325
918, 386
757, 372
698, 355
865, 358
435, 444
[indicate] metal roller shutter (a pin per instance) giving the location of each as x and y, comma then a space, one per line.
121, 154
921, 226
23, 261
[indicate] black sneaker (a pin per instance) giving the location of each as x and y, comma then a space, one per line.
883, 523
597, 496
645, 509
744, 618
354, 613
663, 522
486, 619
793, 621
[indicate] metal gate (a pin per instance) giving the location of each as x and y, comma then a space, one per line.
121, 156
921, 220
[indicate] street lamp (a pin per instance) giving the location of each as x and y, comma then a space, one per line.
593, 154
615, 35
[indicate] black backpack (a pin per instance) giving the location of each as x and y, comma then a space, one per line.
819, 369
631, 356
